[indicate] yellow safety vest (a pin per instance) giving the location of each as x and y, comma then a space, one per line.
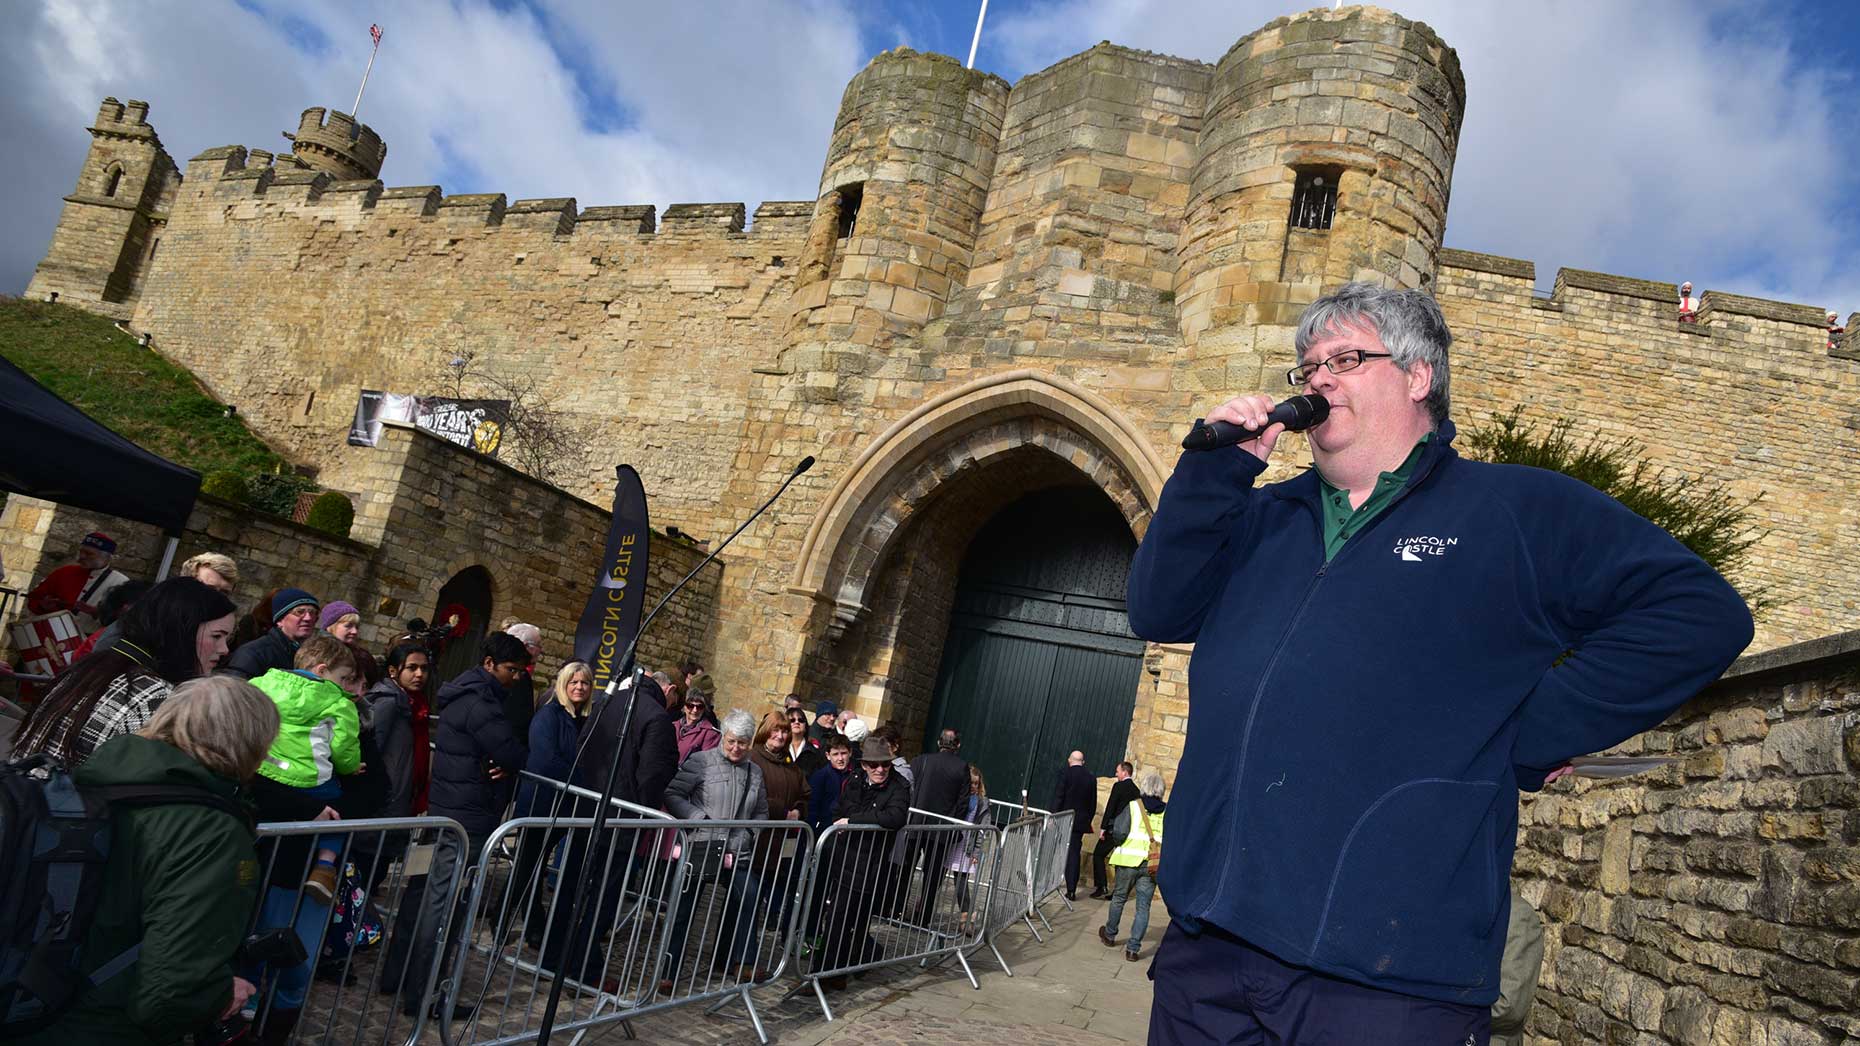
1135, 849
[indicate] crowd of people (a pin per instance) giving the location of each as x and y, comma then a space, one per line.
286, 707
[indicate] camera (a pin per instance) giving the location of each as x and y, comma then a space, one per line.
275, 948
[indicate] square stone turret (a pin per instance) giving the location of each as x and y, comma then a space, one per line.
112, 220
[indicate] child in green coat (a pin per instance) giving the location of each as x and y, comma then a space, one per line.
320, 737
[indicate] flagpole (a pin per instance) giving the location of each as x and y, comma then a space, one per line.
365, 72
977, 41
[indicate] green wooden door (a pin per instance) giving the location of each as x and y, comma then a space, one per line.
1039, 658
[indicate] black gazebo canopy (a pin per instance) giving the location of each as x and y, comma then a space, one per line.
59, 453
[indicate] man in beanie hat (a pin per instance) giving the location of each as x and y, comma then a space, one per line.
293, 620
80, 587
826, 722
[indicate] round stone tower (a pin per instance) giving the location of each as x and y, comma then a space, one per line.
901, 199
335, 144
1325, 156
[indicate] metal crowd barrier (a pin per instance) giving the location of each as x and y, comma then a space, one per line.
1049, 865
1010, 884
879, 898
679, 912
373, 946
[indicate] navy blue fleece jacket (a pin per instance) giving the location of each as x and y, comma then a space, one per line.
1359, 729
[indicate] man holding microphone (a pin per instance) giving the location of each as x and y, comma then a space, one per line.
1388, 648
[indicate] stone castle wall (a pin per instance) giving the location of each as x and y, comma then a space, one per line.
439, 509
287, 293
1749, 397
1716, 900
998, 288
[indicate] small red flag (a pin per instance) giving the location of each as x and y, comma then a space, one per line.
375, 31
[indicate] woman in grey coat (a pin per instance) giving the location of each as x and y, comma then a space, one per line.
718, 784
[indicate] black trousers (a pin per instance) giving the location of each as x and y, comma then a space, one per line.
1072, 863
1100, 881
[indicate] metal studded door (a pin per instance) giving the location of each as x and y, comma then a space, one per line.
1039, 659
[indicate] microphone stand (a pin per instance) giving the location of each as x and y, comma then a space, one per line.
633, 673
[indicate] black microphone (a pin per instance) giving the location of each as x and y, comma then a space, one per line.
806, 463
1296, 414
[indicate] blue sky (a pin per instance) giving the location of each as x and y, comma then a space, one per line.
1710, 140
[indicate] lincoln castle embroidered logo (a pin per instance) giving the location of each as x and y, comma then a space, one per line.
1417, 549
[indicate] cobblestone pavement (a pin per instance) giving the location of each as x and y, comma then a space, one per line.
1069, 987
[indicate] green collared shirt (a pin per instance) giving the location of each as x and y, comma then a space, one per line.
1341, 521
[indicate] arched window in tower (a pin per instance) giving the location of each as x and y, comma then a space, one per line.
1314, 198
112, 180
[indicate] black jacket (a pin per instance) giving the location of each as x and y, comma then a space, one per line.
1077, 792
261, 655
472, 734
1122, 794
860, 803
390, 721
649, 759
940, 783
520, 703
554, 737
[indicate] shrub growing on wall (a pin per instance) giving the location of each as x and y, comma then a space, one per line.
276, 492
332, 513
228, 486
1705, 517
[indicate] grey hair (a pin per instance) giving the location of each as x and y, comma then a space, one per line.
739, 724
1150, 782
1408, 322
221, 722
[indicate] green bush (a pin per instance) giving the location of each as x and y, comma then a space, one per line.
276, 492
332, 513
228, 486
1706, 517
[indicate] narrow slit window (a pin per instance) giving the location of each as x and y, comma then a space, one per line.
1314, 199
851, 196
114, 180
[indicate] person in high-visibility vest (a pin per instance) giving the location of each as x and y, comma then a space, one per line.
1136, 827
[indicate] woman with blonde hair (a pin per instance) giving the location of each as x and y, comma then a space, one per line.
967, 853
182, 876
555, 734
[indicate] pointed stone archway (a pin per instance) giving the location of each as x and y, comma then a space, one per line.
882, 558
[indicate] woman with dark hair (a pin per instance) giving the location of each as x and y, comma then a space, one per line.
396, 716
176, 632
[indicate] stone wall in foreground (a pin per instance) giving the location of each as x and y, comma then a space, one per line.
1716, 900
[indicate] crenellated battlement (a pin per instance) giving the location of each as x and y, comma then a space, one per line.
333, 142
235, 172
1720, 312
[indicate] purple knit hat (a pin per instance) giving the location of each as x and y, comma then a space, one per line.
333, 612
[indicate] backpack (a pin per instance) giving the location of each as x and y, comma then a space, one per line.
54, 845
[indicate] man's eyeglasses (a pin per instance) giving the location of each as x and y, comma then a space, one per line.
1342, 363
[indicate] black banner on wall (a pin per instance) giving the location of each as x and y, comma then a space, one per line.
474, 424
611, 618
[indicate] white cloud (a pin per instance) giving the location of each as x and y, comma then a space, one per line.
1630, 138
1661, 139
466, 94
